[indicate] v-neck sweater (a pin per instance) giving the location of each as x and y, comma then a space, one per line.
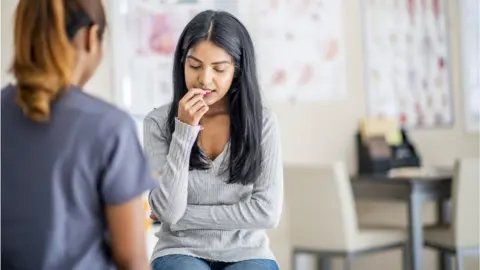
201, 214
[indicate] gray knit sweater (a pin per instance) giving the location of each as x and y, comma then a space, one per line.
202, 215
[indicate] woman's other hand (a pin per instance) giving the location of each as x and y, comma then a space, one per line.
153, 217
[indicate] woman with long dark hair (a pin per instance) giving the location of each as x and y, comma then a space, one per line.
216, 152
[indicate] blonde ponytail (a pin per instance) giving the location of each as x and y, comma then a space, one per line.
43, 59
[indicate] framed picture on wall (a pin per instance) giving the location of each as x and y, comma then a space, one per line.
407, 62
144, 34
470, 62
301, 49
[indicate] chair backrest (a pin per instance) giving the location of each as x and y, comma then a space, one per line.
321, 205
465, 202
279, 238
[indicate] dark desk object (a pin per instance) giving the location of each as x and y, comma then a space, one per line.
368, 161
416, 191
375, 156
405, 154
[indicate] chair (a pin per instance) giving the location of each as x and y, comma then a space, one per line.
280, 240
461, 238
323, 217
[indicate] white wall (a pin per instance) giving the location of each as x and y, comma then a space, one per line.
6, 18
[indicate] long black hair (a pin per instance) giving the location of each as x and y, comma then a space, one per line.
244, 98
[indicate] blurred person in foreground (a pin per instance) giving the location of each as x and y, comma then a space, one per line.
72, 168
217, 152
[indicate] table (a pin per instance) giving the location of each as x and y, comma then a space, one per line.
415, 191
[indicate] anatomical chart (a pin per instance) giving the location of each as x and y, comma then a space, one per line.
470, 62
300, 48
407, 64
145, 35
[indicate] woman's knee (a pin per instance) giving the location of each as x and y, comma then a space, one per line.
179, 262
253, 265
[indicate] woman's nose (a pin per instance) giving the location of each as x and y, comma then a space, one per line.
206, 77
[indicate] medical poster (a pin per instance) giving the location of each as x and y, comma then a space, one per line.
144, 37
300, 48
470, 62
407, 62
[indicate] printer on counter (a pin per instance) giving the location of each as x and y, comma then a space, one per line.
383, 145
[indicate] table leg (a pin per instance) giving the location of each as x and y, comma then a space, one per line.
443, 214
324, 263
415, 231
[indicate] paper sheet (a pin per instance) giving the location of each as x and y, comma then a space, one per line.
407, 61
145, 35
300, 48
470, 62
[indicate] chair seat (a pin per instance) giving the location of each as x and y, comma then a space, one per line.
444, 236
377, 238
441, 235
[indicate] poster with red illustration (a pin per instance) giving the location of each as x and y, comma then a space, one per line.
156, 32
407, 62
470, 62
145, 34
300, 48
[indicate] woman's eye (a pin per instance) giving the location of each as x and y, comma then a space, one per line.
195, 67
220, 70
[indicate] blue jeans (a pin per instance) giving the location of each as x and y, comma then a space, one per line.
183, 262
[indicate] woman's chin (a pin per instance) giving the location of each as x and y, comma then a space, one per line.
210, 100
214, 98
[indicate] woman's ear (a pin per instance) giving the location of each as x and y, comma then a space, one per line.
93, 42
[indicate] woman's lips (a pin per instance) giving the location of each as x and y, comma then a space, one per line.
208, 92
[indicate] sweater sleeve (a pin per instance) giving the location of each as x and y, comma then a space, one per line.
170, 164
261, 210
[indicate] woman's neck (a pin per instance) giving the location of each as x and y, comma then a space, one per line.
78, 72
219, 107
